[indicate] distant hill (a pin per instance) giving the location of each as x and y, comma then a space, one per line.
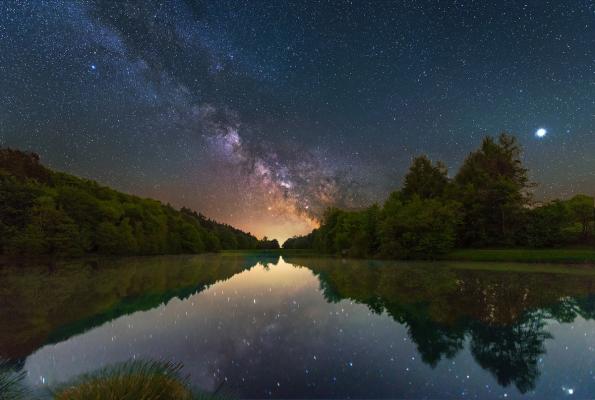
44, 212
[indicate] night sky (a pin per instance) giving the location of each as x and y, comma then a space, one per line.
261, 114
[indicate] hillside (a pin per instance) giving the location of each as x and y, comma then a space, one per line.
44, 212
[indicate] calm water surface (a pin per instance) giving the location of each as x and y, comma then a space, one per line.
264, 326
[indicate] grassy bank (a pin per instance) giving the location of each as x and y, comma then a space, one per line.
573, 256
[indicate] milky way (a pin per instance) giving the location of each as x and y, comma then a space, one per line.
262, 114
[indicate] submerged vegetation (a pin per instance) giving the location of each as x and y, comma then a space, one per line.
487, 204
43, 212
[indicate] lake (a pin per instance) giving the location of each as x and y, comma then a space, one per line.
259, 325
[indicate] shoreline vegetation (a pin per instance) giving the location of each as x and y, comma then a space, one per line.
134, 379
570, 255
487, 205
48, 213
484, 213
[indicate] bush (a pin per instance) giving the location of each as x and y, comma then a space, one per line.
147, 380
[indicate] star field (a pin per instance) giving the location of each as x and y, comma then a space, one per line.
261, 114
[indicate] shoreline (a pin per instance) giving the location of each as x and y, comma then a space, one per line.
575, 256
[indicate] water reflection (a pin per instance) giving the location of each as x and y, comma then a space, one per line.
268, 327
42, 304
502, 312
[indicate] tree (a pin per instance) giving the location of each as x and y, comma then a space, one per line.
325, 238
366, 242
60, 233
581, 208
545, 225
47, 212
108, 239
492, 186
190, 239
419, 228
424, 179
267, 244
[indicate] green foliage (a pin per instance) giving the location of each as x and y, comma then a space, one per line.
415, 228
50, 213
492, 188
424, 179
487, 204
266, 244
418, 228
301, 242
546, 225
581, 209
419, 222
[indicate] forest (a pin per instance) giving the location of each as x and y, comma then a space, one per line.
43, 212
487, 204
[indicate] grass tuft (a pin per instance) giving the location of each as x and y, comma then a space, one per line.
132, 380
11, 383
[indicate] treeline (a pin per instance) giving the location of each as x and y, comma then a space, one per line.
43, 212
487, 204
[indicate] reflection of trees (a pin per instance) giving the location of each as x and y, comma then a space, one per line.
502, 312
586, 306
434, 341
41, 304
567, 309
511, 353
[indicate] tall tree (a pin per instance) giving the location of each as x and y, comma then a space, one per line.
492, 185
425, 179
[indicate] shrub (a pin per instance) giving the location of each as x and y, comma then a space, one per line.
133, 380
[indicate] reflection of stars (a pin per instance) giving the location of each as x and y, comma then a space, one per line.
568, 391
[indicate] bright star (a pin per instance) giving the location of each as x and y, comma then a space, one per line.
569, 391
93, 67
541, 132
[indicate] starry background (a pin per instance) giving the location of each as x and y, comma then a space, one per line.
261, 114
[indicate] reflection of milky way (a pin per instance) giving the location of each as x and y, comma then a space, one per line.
270, 332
